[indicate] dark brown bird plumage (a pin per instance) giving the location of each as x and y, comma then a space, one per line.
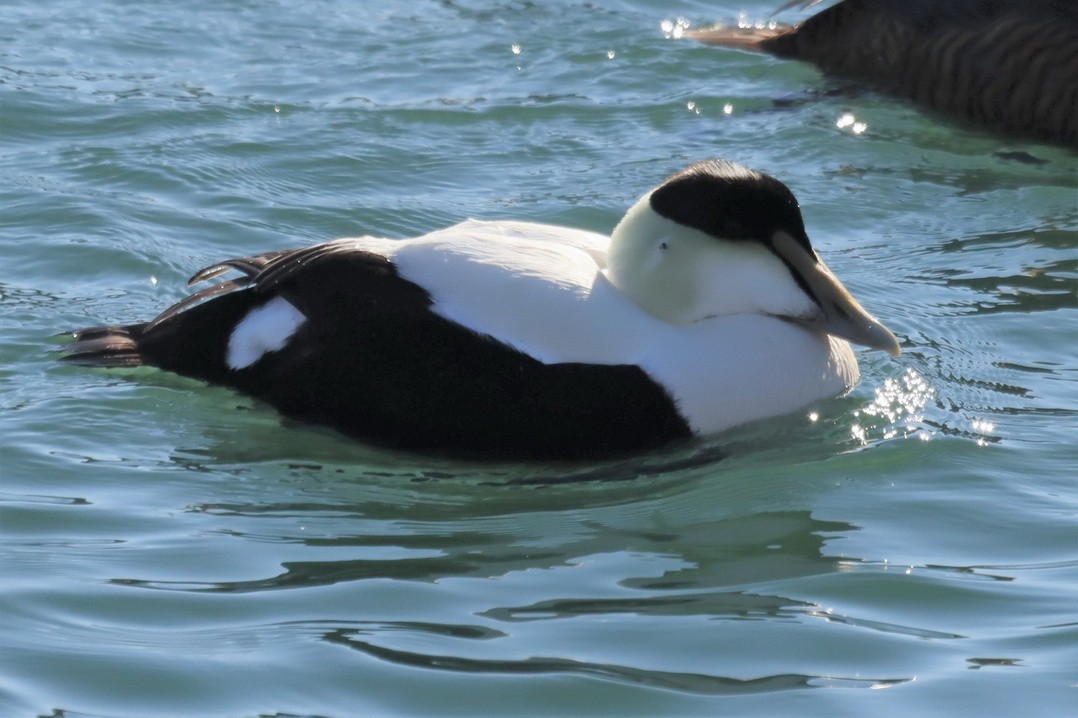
1010, 66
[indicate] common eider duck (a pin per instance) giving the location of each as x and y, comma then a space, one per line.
1010, 66
706, 308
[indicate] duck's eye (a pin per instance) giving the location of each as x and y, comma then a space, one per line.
662, 246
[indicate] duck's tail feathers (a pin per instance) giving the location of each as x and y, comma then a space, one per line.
105, 346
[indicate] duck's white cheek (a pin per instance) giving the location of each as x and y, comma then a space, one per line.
265, 329
653, 258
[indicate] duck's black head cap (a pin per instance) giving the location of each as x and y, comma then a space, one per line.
727, 200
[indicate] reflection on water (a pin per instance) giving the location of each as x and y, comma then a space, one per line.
978, 663
761, 547
361, 640
700, 571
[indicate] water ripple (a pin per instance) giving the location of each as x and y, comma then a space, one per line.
167, 543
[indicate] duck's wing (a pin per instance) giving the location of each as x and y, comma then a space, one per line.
548, 252
594, 244
1004, 64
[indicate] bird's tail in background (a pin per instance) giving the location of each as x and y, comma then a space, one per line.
749, 38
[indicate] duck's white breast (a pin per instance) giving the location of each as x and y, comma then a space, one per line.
726, 371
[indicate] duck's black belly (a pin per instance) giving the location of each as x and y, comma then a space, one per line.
448, 391
373, 361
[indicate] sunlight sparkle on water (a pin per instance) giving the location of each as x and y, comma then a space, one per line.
674, 29
985, 429
896, 408
851, 122
744, 23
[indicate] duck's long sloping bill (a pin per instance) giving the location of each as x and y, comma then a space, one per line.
840, 314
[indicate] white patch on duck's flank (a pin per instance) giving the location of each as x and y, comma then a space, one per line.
265, 329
